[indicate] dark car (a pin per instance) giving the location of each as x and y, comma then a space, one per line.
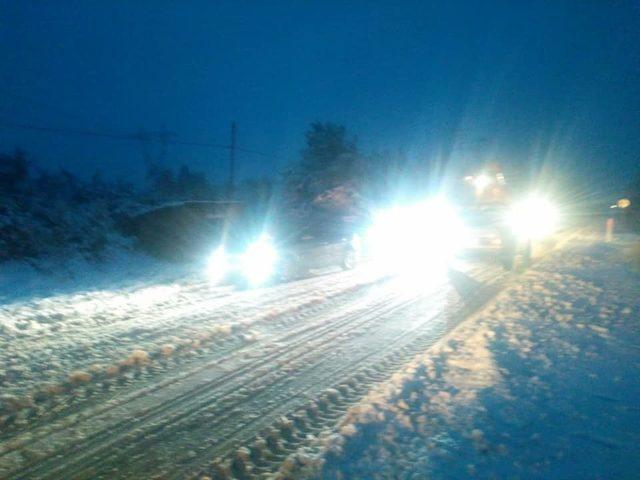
485, 201
282, 254
316, 248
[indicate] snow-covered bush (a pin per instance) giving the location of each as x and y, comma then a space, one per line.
54, 213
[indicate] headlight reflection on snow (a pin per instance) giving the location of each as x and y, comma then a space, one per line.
113, 302
153, 295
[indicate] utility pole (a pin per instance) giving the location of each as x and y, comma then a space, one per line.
232, 161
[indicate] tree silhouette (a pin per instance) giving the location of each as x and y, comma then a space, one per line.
14, 171
329, 160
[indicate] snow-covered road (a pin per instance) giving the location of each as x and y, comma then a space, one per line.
177, 378
542, 383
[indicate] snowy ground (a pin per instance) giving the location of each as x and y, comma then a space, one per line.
91, 379
117, 268
543, 383
175, 378
45, 340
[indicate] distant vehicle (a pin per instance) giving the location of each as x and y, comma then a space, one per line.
284, 255
488, 234
317, 248
180, 230
500, 226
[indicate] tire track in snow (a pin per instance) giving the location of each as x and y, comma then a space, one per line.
305, 332
177, 415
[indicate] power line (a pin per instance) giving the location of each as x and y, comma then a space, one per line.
200, 144
142, 135
254, 152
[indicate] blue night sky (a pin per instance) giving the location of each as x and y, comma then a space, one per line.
519, 82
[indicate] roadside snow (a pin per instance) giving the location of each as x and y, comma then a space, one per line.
117, 268
49, 346
543, 383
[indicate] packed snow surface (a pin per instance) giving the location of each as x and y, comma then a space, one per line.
91, 379
543, 383
43, 341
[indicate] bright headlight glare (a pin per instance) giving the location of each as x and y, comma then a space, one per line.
481, 182
534, 217
259, 261
418, 236
217, 265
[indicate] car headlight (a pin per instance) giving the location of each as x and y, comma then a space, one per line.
533, 218
415, 237
259, 261
217, 265
481, 182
